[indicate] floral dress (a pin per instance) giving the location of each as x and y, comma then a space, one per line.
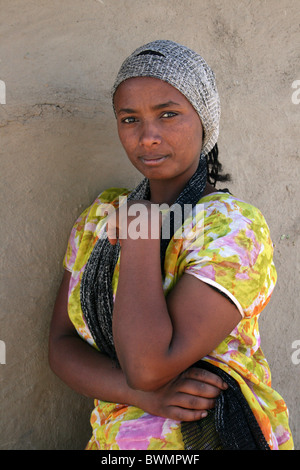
226, 244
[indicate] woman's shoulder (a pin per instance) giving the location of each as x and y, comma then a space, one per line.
226, 204
88, 225
90, 217
223, 197
226, 215
109, 197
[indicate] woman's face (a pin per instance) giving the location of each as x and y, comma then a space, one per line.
158, 128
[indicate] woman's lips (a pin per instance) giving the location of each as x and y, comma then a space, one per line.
153, 160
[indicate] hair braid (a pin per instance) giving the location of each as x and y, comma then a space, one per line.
214, 167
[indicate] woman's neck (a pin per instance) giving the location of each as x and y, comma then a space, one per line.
162, 192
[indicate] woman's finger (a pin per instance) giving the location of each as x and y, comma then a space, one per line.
184, 414
198, 388
112, 233
193, 402
203, 375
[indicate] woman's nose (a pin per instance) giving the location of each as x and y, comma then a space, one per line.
149, 135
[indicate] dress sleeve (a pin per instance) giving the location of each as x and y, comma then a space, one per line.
87, 228
235, 254
74, 241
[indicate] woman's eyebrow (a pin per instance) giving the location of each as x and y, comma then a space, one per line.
126, 111
167, 104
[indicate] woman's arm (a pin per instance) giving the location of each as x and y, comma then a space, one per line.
93, 374
77, 363
157, 338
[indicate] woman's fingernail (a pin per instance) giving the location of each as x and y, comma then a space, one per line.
204, 414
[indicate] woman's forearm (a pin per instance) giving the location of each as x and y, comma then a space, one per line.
141, 322
157, 338
77, 363
89, 372
94, 375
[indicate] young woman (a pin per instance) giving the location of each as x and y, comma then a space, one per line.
158, 320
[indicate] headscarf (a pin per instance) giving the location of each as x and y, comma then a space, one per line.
186, 71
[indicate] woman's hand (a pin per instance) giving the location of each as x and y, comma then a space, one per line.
186, 398
133, 220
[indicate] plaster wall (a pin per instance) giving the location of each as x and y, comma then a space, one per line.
59, 149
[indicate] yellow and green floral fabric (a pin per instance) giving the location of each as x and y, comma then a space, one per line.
225, 243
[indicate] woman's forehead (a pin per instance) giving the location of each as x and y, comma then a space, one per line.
148, 89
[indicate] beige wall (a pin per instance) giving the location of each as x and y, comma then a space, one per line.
59, 149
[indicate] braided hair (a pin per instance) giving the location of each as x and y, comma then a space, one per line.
214, 167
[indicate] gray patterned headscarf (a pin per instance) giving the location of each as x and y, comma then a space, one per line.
189, 73
186, 71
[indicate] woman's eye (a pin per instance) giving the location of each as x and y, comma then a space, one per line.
169, 114
129, 120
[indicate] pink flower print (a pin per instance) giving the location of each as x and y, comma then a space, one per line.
136, 434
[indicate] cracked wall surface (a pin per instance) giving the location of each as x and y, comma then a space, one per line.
59, 148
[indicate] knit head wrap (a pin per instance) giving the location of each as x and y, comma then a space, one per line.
186, 71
